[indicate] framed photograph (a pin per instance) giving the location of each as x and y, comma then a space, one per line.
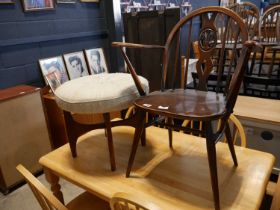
89, 0
96, 61
76, 64
53, 80
7, 1
66, 1
56, 65
37, 5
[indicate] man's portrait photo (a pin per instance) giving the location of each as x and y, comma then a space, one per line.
76, 64
96, 61
54, 65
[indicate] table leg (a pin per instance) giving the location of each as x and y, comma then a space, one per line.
55, 186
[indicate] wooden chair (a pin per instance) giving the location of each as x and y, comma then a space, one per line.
249, 12
199, 104
264, 80
124, 201
48, 201
267, 38
99, 94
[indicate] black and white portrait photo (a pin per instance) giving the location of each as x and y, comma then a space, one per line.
96, 61
76, 64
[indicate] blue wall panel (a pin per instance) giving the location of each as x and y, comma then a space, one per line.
27, 37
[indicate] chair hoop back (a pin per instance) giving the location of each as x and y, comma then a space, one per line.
268, 24
124, 201
221, 36
45, 198
250, 14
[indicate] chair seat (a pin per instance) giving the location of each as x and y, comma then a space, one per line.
186, 104
99, 93
87, 201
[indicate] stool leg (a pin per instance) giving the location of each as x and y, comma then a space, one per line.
107, 122
211, 152
71, 132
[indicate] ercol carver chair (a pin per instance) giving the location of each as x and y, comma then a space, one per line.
196, 104
48, 201
98, 94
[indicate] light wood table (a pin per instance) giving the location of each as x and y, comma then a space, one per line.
258, 109
173, 179
261, 120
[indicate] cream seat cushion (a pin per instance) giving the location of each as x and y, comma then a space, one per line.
99, 93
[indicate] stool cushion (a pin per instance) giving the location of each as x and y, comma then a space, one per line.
99, 93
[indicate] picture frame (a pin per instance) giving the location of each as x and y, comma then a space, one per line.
89, 1
54, 64
37, 5
226, 3
76, 64
96, 61
7, 2
66, 1
53, 81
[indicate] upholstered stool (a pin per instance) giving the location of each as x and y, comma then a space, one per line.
100, 93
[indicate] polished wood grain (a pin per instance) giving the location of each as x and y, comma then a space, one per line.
258, 109
20, 90
186, 103
177, 178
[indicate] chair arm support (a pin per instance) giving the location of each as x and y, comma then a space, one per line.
257, 47
132, 45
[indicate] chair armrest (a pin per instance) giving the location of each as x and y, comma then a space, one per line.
132, 45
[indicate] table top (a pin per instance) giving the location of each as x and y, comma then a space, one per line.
172, 179
258, 109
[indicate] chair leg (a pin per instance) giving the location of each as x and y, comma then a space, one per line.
230, 143
211, 151
140, 119
143, 137
170, 137
107, 122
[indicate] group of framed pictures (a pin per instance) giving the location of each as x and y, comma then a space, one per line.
57, 70
37, 5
